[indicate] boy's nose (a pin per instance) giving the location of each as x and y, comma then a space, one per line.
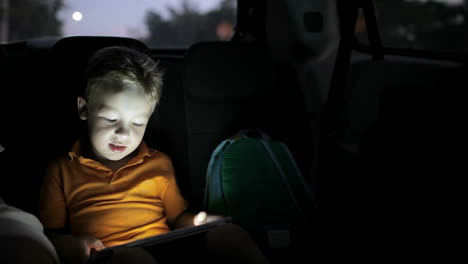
122, 131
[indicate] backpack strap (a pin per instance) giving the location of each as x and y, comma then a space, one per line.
214, 165
283, 175
306, 190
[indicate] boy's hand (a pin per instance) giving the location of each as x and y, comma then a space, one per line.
76, 249
203, 218
90, 244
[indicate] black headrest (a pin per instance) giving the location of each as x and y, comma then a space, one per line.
71, 55
226, 70
87, 45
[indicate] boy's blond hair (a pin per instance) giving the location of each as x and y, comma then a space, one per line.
117, 66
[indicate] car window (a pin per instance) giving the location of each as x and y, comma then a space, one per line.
162, 23
437, 25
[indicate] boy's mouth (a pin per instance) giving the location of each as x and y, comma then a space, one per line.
116, 148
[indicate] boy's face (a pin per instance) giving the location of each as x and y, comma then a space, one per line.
116, 121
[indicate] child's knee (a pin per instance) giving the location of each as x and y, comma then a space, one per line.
232, 243
227, 234
131, 255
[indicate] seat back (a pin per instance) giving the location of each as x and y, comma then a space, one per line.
230, 86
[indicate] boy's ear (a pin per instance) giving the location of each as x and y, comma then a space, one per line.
82, 108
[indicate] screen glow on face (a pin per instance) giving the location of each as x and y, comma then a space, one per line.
117, 122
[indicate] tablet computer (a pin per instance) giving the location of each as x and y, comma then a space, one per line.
189, 240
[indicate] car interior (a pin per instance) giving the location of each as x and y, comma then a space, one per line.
372, 128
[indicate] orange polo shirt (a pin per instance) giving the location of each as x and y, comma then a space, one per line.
131, 203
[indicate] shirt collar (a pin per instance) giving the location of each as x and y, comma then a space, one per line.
77, 152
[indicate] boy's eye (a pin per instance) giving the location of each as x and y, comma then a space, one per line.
138, 124
110, 120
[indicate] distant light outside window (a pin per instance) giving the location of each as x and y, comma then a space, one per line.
437, 25
158, 23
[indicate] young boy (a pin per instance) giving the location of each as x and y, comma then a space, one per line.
112, 188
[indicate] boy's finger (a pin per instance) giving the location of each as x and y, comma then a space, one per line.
98, 245
200, 218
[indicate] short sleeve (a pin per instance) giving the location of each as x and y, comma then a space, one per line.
52, 205
174, 202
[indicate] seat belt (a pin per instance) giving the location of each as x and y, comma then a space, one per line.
373, 30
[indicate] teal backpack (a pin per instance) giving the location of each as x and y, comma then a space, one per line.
256, 182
